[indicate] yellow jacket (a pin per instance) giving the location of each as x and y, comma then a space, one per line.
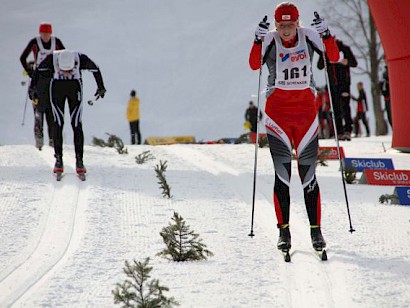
133, 109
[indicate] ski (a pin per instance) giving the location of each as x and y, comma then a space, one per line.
321, 254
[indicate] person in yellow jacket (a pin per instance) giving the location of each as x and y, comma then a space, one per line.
133, 116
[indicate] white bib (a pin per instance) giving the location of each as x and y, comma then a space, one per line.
42, 52
293, 66
74, 73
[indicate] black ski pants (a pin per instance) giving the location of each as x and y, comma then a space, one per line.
70, 90
135, 130
43, 110
341, 109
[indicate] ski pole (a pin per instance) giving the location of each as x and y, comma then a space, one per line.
251, 234
25, 106
335, 132
92, 101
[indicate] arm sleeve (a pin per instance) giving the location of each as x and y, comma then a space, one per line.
26, 53
351, 59
87, 64
332, 51
59, 44
365, 100
255, 56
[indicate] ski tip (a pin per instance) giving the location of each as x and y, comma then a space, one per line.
324, 255
287, 256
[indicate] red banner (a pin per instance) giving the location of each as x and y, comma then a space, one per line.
330, 153
386, 177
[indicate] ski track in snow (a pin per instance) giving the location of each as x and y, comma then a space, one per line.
118, 212
317, 284
49, 248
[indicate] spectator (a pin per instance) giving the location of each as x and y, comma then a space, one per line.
362, 107
385, 89
41, 46
251, 115
133, 116
324, 113
339, 78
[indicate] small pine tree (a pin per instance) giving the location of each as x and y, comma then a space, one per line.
117, 143
182, 243
144, 157
263, 142
138, 292
244, 138
321, 158
350, 175
388, 199
99, 142
160, 173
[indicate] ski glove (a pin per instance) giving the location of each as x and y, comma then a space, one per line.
100, 92
321, 27
32, 93
262, 30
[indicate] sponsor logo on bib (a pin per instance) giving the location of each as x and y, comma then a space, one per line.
293, 56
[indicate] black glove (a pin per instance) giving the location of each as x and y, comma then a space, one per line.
32, 93
100, 92
30, 72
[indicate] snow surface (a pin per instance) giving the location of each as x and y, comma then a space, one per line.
64, 243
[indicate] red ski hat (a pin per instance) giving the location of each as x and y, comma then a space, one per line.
286, 11
45, 28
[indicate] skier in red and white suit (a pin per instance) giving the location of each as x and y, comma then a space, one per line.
291, 116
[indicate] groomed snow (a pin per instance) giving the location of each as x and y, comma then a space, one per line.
65, 243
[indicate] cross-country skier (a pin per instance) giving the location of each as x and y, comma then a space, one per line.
65, 67
41, 46
291, 116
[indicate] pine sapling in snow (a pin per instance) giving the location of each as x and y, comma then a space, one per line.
112, 142
144, 157
160, 174
350, 175
138, 292
182, 243
321, 158
99, 142
117, 143
389, 199
263, 142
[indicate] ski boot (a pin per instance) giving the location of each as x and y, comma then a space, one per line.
347, 136
284, 242
80, 169
318, 242
39, 142
58, 167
